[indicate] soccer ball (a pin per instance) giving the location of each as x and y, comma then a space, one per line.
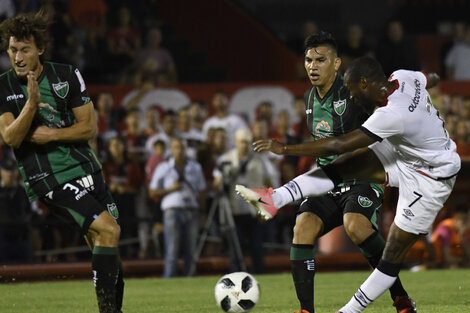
237, 292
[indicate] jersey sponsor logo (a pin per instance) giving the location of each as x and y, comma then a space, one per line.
415, 101
364, 201
47, 111
339, 106
310, 264
321, 129
15, 97
86, 182
113, 210
308, 111
61, 89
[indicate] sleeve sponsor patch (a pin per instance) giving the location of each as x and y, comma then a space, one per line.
80, 79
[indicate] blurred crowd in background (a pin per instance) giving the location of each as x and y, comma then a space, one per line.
121, 42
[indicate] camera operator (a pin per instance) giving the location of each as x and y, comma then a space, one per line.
242, 166
180, 184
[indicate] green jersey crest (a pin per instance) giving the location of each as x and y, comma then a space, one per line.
339, 106
113, 210
364, 201
61, 89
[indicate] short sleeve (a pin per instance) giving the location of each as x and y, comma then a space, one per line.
384, 123
154, 182
78, 93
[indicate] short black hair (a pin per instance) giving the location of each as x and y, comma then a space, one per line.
322, 38
367, 67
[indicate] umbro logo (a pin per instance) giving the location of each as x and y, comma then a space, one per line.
408, 214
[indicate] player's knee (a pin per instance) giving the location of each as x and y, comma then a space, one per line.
358, 227
108, 233
307, 228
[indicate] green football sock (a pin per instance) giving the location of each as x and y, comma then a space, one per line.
372, 248
303, 272
104, 265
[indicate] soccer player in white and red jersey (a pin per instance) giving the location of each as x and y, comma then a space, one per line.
404, 144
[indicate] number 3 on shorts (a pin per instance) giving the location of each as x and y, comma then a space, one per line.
415, 200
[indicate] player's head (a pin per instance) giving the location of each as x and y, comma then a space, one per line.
365, 78
321, 58
24, 38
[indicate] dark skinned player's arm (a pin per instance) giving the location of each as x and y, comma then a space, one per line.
433, 79
83, 129
318, 148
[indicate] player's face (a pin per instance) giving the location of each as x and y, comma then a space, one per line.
321, 64
357, 92
24, 56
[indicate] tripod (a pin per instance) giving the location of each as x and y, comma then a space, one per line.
221, 204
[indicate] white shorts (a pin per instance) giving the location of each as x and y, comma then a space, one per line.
420, 198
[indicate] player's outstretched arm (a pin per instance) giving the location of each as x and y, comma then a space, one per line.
318, 148
14, 130
83, 129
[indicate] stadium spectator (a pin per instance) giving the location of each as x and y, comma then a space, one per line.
155, 60
123, 42
458, 37
169, 130
241, 165
15, 216
180, 184
125, 179
134, 138
397, 50
300, 128
223, 119
192, 136
198, 114
354, 46
451, 240
457, 61
462, 137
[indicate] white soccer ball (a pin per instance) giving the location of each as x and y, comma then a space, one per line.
237, 292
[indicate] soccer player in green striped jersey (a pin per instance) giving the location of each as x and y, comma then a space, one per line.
47, 116
330, 112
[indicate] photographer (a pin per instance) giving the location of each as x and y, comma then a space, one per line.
179, 183
242, 166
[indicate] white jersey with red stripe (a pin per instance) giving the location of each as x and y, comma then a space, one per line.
410, 122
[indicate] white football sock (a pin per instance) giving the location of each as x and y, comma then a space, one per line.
375, 285
312, 183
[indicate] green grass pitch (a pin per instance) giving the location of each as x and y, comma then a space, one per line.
435, 291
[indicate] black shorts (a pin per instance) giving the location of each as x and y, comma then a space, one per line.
330, 208
81, 200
